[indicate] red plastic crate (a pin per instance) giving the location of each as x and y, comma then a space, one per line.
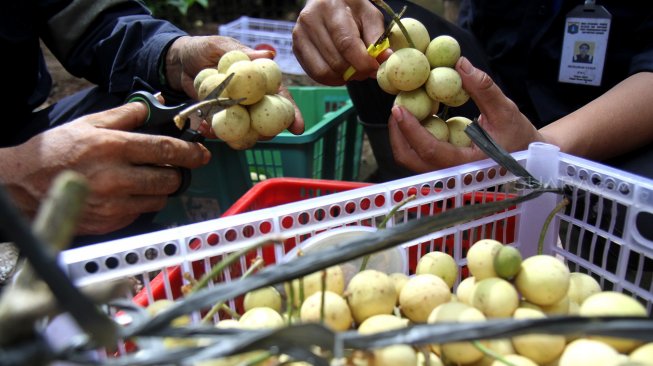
266, 194
277, 191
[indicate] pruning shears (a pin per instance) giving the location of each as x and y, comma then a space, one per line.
375, 49
181, 121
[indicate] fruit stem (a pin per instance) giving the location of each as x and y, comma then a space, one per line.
396, 19
258, 263
290, 302
257, 359
323, 288
383, 224
445, 113
547, 222
220, 266
490, 353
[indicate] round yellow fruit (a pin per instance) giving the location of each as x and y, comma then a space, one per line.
381, 323
421, 294
495, 297
230, 58
417, 102
612, 303
395, 355
433, 360
443, 83
465, 289
261, 318
541, 348
264, 297
515, 360
249, 140
248, 82
480, 258
336, 312
399, 280
559, 308
457, 135
437, 127
440, 264
312, 283
407, 69
209, 83
643, 353
443, 50
268, 116
203, 74
417, 31
586, 352
232, 123
458, 352
542, 280
383, 81
370, 292
500, 346
272, 72
581, 286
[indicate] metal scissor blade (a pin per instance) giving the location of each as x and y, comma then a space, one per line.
198, 112
215, 93
212, 107
388, 29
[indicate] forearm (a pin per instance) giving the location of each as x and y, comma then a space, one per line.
618, 121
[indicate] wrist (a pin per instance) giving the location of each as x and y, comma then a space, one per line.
170, 70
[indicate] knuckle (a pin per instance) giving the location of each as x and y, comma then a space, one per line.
486, 82
166, 149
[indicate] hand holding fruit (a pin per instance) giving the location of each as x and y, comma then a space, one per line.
420, 151
330, 36
264, 109
187, 56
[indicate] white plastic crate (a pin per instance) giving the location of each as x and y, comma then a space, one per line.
601, 232
255, 32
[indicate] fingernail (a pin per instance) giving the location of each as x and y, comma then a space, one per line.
397, 113
206, 155
466, 66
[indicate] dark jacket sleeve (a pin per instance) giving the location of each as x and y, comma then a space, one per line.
111, 42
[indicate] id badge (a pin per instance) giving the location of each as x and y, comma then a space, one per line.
584, 45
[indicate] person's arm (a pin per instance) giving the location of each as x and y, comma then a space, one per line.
618, 121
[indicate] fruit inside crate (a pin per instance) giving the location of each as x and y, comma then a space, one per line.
330, 148
600, 233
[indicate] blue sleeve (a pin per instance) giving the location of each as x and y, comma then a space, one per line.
122, 43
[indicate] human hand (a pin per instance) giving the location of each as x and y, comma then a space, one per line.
128, 173
189, 55
329, 36
416, 149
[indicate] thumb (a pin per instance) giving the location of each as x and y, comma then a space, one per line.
487, 95
126, 117
265, 53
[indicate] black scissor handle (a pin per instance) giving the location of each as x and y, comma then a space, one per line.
160, 118
160, 121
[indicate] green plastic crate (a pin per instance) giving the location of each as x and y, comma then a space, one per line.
330, 148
